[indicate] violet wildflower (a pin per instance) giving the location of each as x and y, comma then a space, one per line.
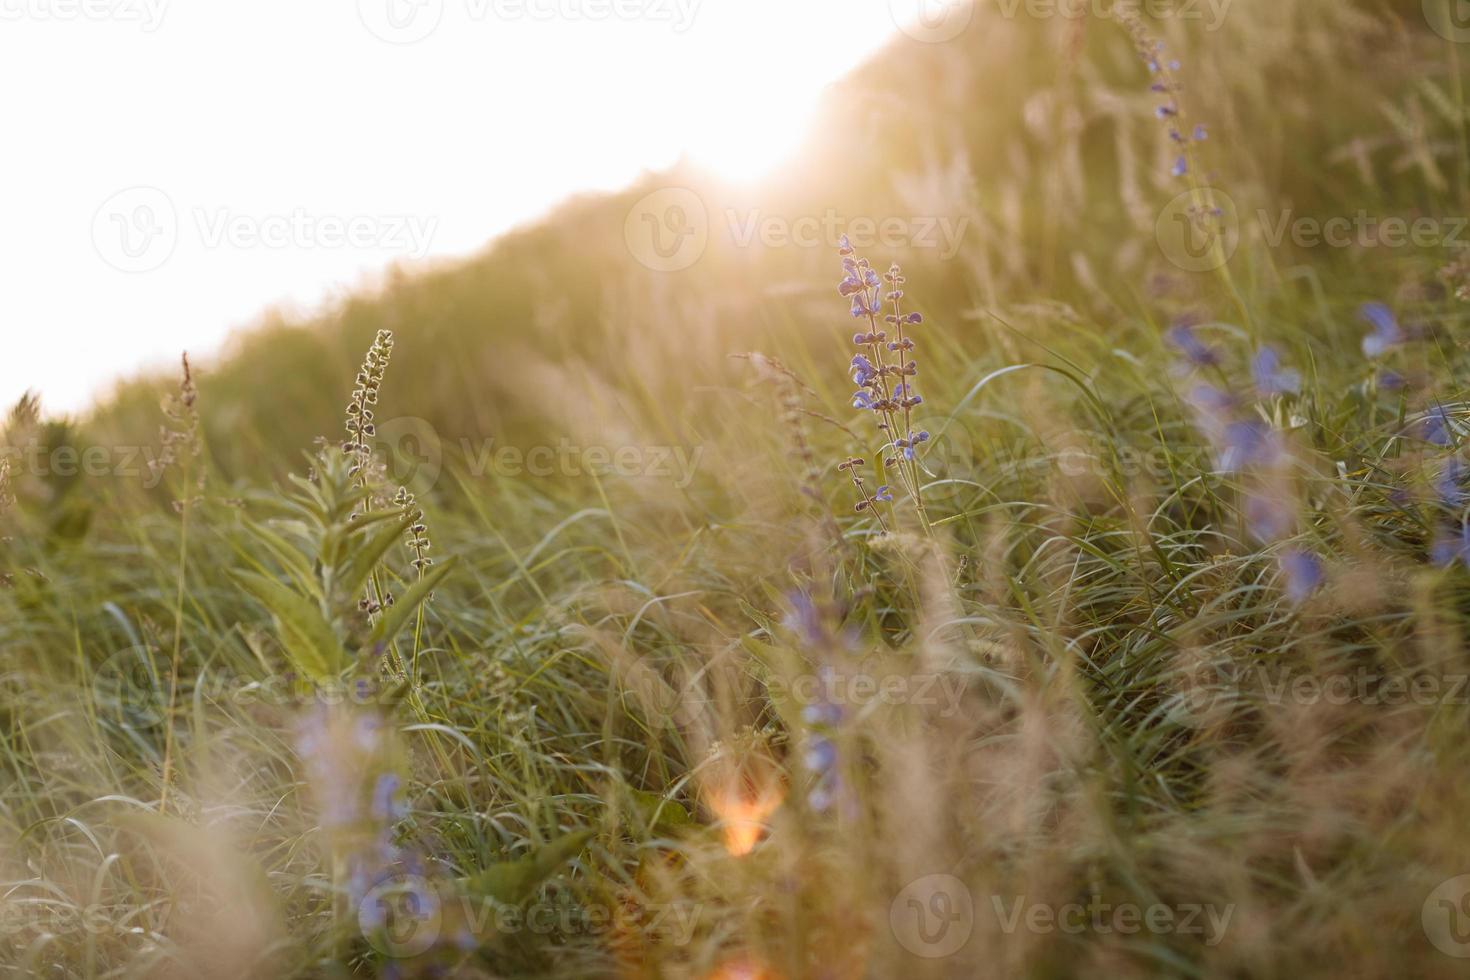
1449, 486
1450, 547
1270, 377
1167, 85
1238, 442
357, 802
1269, 516
1213, 411
1303, 572
820, 758
1386, 332
1182, 337
1436, 427
1248, 443
868, 502
805, 619
820, 754
883, 369
386, 806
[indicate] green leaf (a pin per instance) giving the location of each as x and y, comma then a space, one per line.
297, 565
366, 555
394, 617
659, 811
309, 640
512, 882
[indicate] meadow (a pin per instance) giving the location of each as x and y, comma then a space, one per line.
1025, 536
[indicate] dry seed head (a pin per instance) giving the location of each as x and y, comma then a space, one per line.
369, 380
417, 534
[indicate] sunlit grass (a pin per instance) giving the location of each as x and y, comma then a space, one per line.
1139, 648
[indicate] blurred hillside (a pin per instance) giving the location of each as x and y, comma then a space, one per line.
1010, 158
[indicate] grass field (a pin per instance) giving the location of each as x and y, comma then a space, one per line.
529, 617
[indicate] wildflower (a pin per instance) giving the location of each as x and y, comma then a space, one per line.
820, 754
910, 445
883, 383
1269, 515
1213, 411
1270, 377
1449, 486
335, 756
850, 466
805, 619
1386, 332
1450, 547
1303, 571
1248, 443
1182, 337
1166, 85
385, 806
1436, 426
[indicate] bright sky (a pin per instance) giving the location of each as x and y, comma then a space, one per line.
174, 167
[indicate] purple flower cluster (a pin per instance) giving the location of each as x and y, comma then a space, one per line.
1386, 333
1195, 352
359, 803
1246, 444
884, 367
823, 715
1436, 427
1239, 441
1303, 573
1451, 546
820, 757
1166, 86
1270, 377
869, 501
